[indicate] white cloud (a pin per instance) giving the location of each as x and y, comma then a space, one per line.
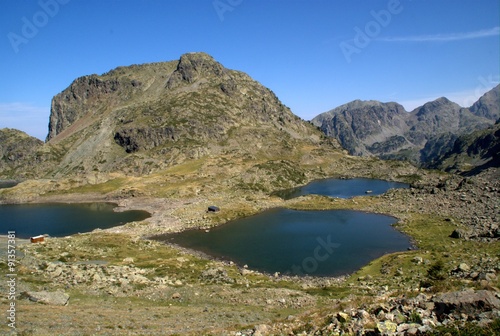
26, 117
495, 31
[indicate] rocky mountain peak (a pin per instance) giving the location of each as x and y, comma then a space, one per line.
192, 67
439, 105
488, 106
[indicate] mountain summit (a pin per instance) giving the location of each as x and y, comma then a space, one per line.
141, 119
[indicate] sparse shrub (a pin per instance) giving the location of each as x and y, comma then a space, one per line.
415, 318
437, 271
435, 275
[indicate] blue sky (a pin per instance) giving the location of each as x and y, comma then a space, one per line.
314, 54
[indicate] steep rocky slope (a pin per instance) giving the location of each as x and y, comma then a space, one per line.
472, 152
386, 130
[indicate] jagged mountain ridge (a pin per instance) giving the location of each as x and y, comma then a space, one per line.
388, 131
141, 119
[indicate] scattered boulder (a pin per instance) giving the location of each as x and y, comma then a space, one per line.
342, 317
387, 327
463, 267
128, 260
261, 330
417, 260
459, 234
216, 275
466, 302
49, 298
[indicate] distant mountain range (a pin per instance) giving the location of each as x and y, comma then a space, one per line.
388, 131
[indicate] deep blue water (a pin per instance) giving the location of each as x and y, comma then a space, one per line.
342, 188
60, 220
7, 184
319, 243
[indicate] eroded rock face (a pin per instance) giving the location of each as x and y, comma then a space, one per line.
362, 124
70, 105
133, 139
488, 106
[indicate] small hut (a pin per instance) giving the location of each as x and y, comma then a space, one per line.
37, 239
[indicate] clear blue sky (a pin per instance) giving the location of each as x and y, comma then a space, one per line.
314, 54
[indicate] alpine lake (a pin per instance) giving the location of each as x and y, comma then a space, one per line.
61, 219
313, 243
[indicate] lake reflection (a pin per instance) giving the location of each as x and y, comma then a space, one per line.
320, 243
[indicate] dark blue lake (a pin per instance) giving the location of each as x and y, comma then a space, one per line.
342, 188
319, 243
7, 184
60, 219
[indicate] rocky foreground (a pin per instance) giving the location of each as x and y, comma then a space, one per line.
116, 281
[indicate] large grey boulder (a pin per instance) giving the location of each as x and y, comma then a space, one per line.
467, 302
49, 298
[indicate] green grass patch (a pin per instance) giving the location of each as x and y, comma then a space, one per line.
186, 167
101, 188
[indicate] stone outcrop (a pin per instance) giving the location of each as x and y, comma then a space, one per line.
216, 275
143, 138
